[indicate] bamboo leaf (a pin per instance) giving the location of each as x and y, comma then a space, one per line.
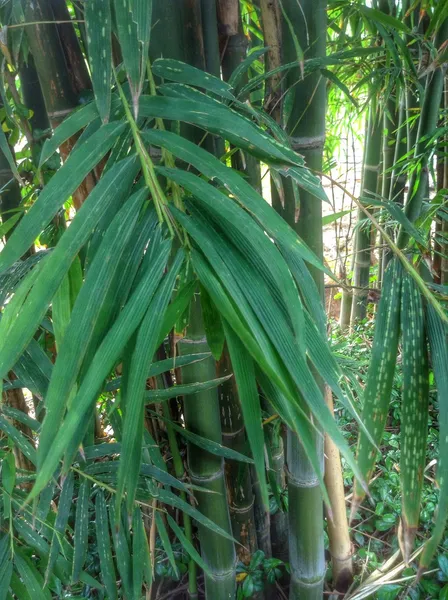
58, 262
214, 330
164, 538
246, 384
260, 349
210, 445
104, 547
414, 412
81, 533
19, 440
183, 390
243, 67
140, 554
176, 70
162, 366
251, 240
97, 15
85, 319
379, 16
291, 246
80, 162
31, 577
122, 554
221, 120
69, 127
145, 347
380, 373
64, 508
191, 550
437, 335
101, 365
171, 499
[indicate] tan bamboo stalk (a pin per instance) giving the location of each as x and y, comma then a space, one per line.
338, 533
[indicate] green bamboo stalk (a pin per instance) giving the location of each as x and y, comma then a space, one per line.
238, 477
306, 127
202, 417
418, 186
179, 471
362, 242
279, 519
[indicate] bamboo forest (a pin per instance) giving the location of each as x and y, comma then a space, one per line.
224, 299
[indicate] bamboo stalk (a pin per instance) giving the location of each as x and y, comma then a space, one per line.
361, 269
179, 471
56, 82
238, 477
202, 417
419, 183
338, 534
306, 128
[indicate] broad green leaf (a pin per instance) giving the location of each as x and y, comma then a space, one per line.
291, 246
437, 336
414, 411
80, 536
122, 553
164, 538
210, 445
187, 389
191, 550
34, 369
130, 48
166, 497
214, 330
246, 287
176, 70
145, 347
104, 547
380, 373
98, 18
221, 120
20, 441
140, 555
381, 17
328, 219
242, 68
70, 126
161, 366
31, 577
250, 239
64, 508
57, 263
6, 568
64, 300
243, 368
80, 162
102, 363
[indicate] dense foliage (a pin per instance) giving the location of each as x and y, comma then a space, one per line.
168, 377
